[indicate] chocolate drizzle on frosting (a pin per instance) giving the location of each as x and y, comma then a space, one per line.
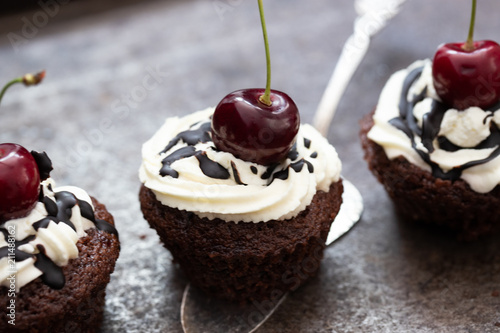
50, 206
297, 166
44, 164
307, 143
212, 169
282, 174
53, 275
44, 223
269, 171
88, 213
293, 154
191, 137
65, 203
19, 255
181, 153
431, 124
59, 211
236, 174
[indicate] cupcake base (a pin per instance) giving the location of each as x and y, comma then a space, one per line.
418, 196
245, 261
78, 306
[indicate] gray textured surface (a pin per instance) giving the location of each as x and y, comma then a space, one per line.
384, 276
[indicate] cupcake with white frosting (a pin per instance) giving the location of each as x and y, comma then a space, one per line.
238, 229
440, 165
56, 261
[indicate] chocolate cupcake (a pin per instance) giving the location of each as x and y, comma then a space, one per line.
56, 261
239, 230
439, 165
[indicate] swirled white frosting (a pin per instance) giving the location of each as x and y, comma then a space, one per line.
58, 239
465, 129
227, 199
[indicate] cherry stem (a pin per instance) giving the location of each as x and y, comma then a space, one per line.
8, 85
27, 80
266, 98
469, 44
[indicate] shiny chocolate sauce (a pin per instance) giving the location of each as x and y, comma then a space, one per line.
44, 164
59, 211
431, 124
53, 275
213, 169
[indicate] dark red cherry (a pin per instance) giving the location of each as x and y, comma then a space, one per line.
254, 131
465, 77
19, 181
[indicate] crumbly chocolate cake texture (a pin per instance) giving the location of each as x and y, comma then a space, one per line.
78, 306
419, 196
245, 261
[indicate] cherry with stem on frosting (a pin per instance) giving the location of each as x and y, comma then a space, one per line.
256, 125
468, 74
19, 181
19, 172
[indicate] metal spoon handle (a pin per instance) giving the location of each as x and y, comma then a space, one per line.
373, 17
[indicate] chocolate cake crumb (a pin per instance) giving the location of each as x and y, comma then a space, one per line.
245, 261
419, 196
